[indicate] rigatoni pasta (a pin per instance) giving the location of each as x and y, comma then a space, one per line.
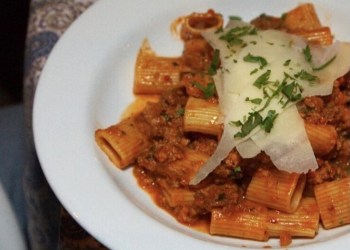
333, 199
319, 36
303, 17
202, 116
276, 189
246, 220
123, 142
154, 74
185, 168
170, 141
323, 137
304, 222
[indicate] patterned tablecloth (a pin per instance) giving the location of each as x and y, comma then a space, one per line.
49, 225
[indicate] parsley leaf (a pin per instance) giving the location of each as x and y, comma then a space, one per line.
307, 54
236, 173
292, 91
287, 62
304, 75
233, 36
324, 65
208, 90
254, 71
180, 112
255, 59
262, 79
255, 100
214, 63
236, 123
308, 58
267, 123
254, 120
235, 18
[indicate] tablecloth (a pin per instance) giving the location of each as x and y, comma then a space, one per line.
49, 225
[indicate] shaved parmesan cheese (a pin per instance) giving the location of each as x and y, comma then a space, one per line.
287, 144
263, 75
248, 149
225, 145
338, 67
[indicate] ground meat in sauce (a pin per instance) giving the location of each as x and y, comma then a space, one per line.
228, 182
334, 110
224, 186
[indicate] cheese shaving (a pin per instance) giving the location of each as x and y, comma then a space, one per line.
263, 75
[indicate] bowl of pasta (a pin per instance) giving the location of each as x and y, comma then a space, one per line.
207, 125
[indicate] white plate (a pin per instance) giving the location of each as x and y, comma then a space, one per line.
87, 83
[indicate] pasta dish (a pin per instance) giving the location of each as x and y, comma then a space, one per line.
247, 131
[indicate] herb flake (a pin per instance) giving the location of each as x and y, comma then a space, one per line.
269, 120
254, 120
304, 75
214, 63
208, 91
307, 54
234, 36
254, 101
324, 65
262, 79
255, 59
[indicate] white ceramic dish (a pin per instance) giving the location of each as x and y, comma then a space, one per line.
87, 83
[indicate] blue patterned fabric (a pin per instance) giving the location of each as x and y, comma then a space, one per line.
47, 22
39, 45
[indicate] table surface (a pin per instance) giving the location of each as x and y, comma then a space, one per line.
49, 224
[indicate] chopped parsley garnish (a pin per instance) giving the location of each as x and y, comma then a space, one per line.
180, 112
292, 91
324, 65
304, 75
255, 59
255, 100
219, 30
283, 16
281, 92
262, 79
214, 63
236, 123
267, 123
208, 90
287, 62
237, 169
254, 120
307, 54
235, 18
308, 58
236, 173
166, 116
254, 71
233, 36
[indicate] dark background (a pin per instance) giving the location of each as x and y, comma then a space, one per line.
13, 27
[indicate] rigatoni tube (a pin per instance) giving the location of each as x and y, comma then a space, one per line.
202, 116
122, 142
276, 189
333, 200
